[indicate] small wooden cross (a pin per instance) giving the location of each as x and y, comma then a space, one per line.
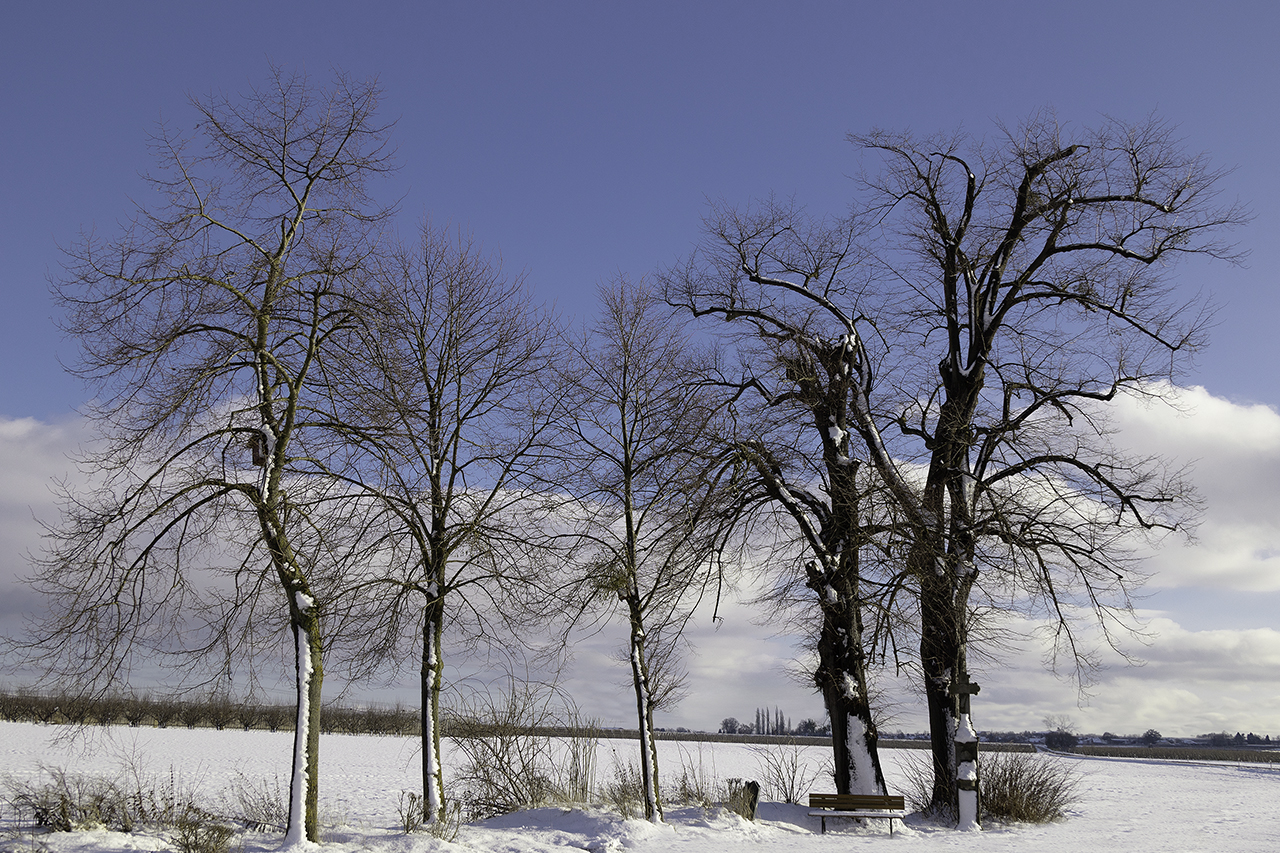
964, 690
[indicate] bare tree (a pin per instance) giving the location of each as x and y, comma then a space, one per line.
1020, 287
641, 463
795, 401
203, 329
445, 410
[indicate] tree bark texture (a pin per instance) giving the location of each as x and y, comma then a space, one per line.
644, 712
432, 679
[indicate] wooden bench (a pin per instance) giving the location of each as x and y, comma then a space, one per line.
857, 806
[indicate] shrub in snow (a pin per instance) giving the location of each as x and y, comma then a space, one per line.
65, 802
625, 791
785, 776
258, 804
445, 826
506, 766
198, 831
1026, 787
1023, 787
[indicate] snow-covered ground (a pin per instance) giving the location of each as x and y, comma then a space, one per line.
1124, 805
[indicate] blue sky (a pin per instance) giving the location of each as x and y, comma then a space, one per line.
585, 139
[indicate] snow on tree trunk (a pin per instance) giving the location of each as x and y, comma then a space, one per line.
294, 836
644, 714
867, 778
841, 676
853, 739
304, 789
967, 778
432, 768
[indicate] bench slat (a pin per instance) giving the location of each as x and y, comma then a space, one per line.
830, 813
856, 801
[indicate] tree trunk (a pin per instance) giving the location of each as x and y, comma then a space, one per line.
432, 666
939, 661
836, 579
841, 676
304, 784
644, 714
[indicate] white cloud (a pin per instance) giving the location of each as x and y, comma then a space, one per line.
1235, 451
1186, 683
1192, 419
32, 455
1249, 655
734, 667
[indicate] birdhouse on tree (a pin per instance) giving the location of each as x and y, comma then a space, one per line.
258, 446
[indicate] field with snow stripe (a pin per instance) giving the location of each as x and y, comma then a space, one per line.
1124, 805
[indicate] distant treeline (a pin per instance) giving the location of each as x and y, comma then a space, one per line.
1182, 753
225, 713
207, 712
775, 723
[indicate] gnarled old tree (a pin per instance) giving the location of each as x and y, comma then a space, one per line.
796, 399
1020, 287
204, 328
446, 405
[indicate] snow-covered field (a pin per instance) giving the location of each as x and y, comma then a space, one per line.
1124, 805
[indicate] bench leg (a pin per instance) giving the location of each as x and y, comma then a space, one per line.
824, 825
